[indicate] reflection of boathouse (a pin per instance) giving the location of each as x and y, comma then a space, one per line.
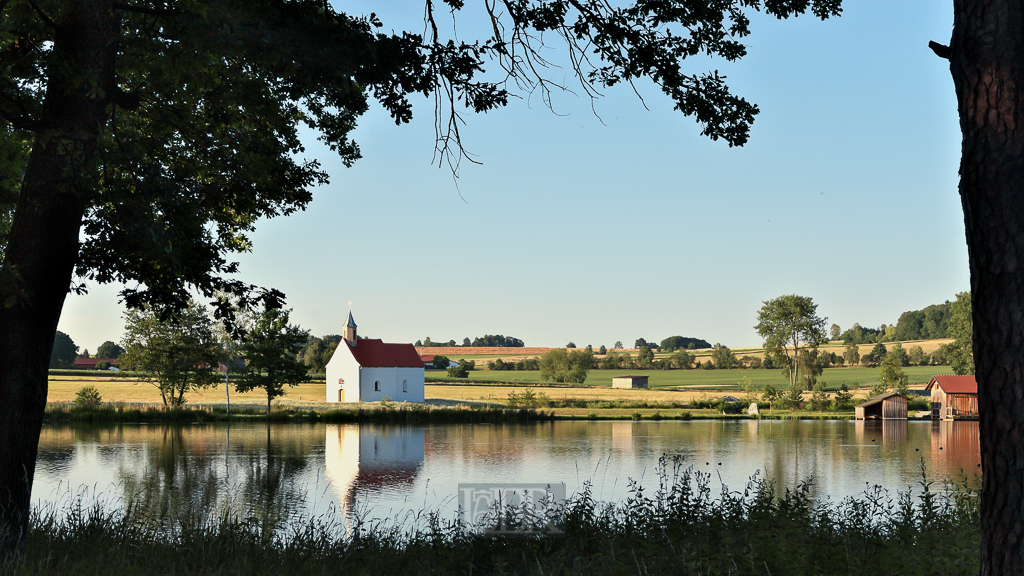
371, 458
890, 406
954, 397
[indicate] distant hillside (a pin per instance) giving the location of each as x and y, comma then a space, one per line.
930, 323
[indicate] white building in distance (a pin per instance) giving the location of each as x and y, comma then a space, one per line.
368, 370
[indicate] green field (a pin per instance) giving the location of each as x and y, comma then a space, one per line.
719, 379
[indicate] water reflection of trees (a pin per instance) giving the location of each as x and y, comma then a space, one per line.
164, 472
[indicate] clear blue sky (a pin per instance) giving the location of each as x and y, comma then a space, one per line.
578, 230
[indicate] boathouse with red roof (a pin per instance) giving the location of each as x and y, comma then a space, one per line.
954, 397
369, 370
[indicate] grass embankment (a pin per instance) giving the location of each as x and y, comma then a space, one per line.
681, 529
398, 414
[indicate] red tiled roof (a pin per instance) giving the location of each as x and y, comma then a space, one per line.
376, 354
89, 363
425, 358
954, 384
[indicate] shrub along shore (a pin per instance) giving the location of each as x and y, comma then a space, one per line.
681, 529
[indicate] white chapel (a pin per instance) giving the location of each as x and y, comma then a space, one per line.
368, 370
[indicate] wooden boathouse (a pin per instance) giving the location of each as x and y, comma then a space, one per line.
954, 397
889, 406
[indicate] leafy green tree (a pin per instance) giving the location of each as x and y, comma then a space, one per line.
916, 356
812, 364
458, 371
682, 359
961, 329
64, 351
570, 345
819, 398
109, 350
843, 399
793, 397
834, 332
723, 357
891, 375
418, 344
271, 351
940, 356
900, 355
85, 354
786, 323
618, 344
558, 365
877, 354
177, 353
602, 350
640, 342
770, 394
441, 362
644, 357
467, 342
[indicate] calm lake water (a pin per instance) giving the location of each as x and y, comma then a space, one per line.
391, 472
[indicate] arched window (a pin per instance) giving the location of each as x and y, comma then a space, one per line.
405, 385
376, 386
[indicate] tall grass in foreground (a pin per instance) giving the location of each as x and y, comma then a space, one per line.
681, 529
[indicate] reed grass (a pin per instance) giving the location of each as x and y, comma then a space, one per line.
683, 528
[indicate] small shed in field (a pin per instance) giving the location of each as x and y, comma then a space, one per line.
954, 397
889, 406
629, 382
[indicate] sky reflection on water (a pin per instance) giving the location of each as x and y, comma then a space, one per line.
281, 471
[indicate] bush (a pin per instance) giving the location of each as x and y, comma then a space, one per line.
460, 371
88, 397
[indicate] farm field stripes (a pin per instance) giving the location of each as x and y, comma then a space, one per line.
724, 379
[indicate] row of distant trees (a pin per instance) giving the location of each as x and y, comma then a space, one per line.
930, 323
485, 341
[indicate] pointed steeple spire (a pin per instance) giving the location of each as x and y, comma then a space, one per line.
350, 328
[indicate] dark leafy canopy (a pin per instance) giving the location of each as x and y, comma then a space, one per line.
673, 343
206, 100
64, 352
109, 350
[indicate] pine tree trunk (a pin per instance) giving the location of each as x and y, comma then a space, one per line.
987, 65
43, 244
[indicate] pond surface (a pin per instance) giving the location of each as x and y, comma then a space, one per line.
393, 472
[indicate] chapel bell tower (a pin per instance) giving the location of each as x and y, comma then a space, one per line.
350, 330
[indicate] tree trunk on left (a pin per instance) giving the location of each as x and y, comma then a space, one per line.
43, 244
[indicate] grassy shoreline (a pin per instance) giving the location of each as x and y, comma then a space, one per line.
680, 529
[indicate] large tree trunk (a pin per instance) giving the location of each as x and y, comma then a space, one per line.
987, 64
43, 245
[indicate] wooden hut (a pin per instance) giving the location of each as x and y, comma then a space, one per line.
889, 406
629, 382
954, 397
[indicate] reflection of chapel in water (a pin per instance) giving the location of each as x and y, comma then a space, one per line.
361, 458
